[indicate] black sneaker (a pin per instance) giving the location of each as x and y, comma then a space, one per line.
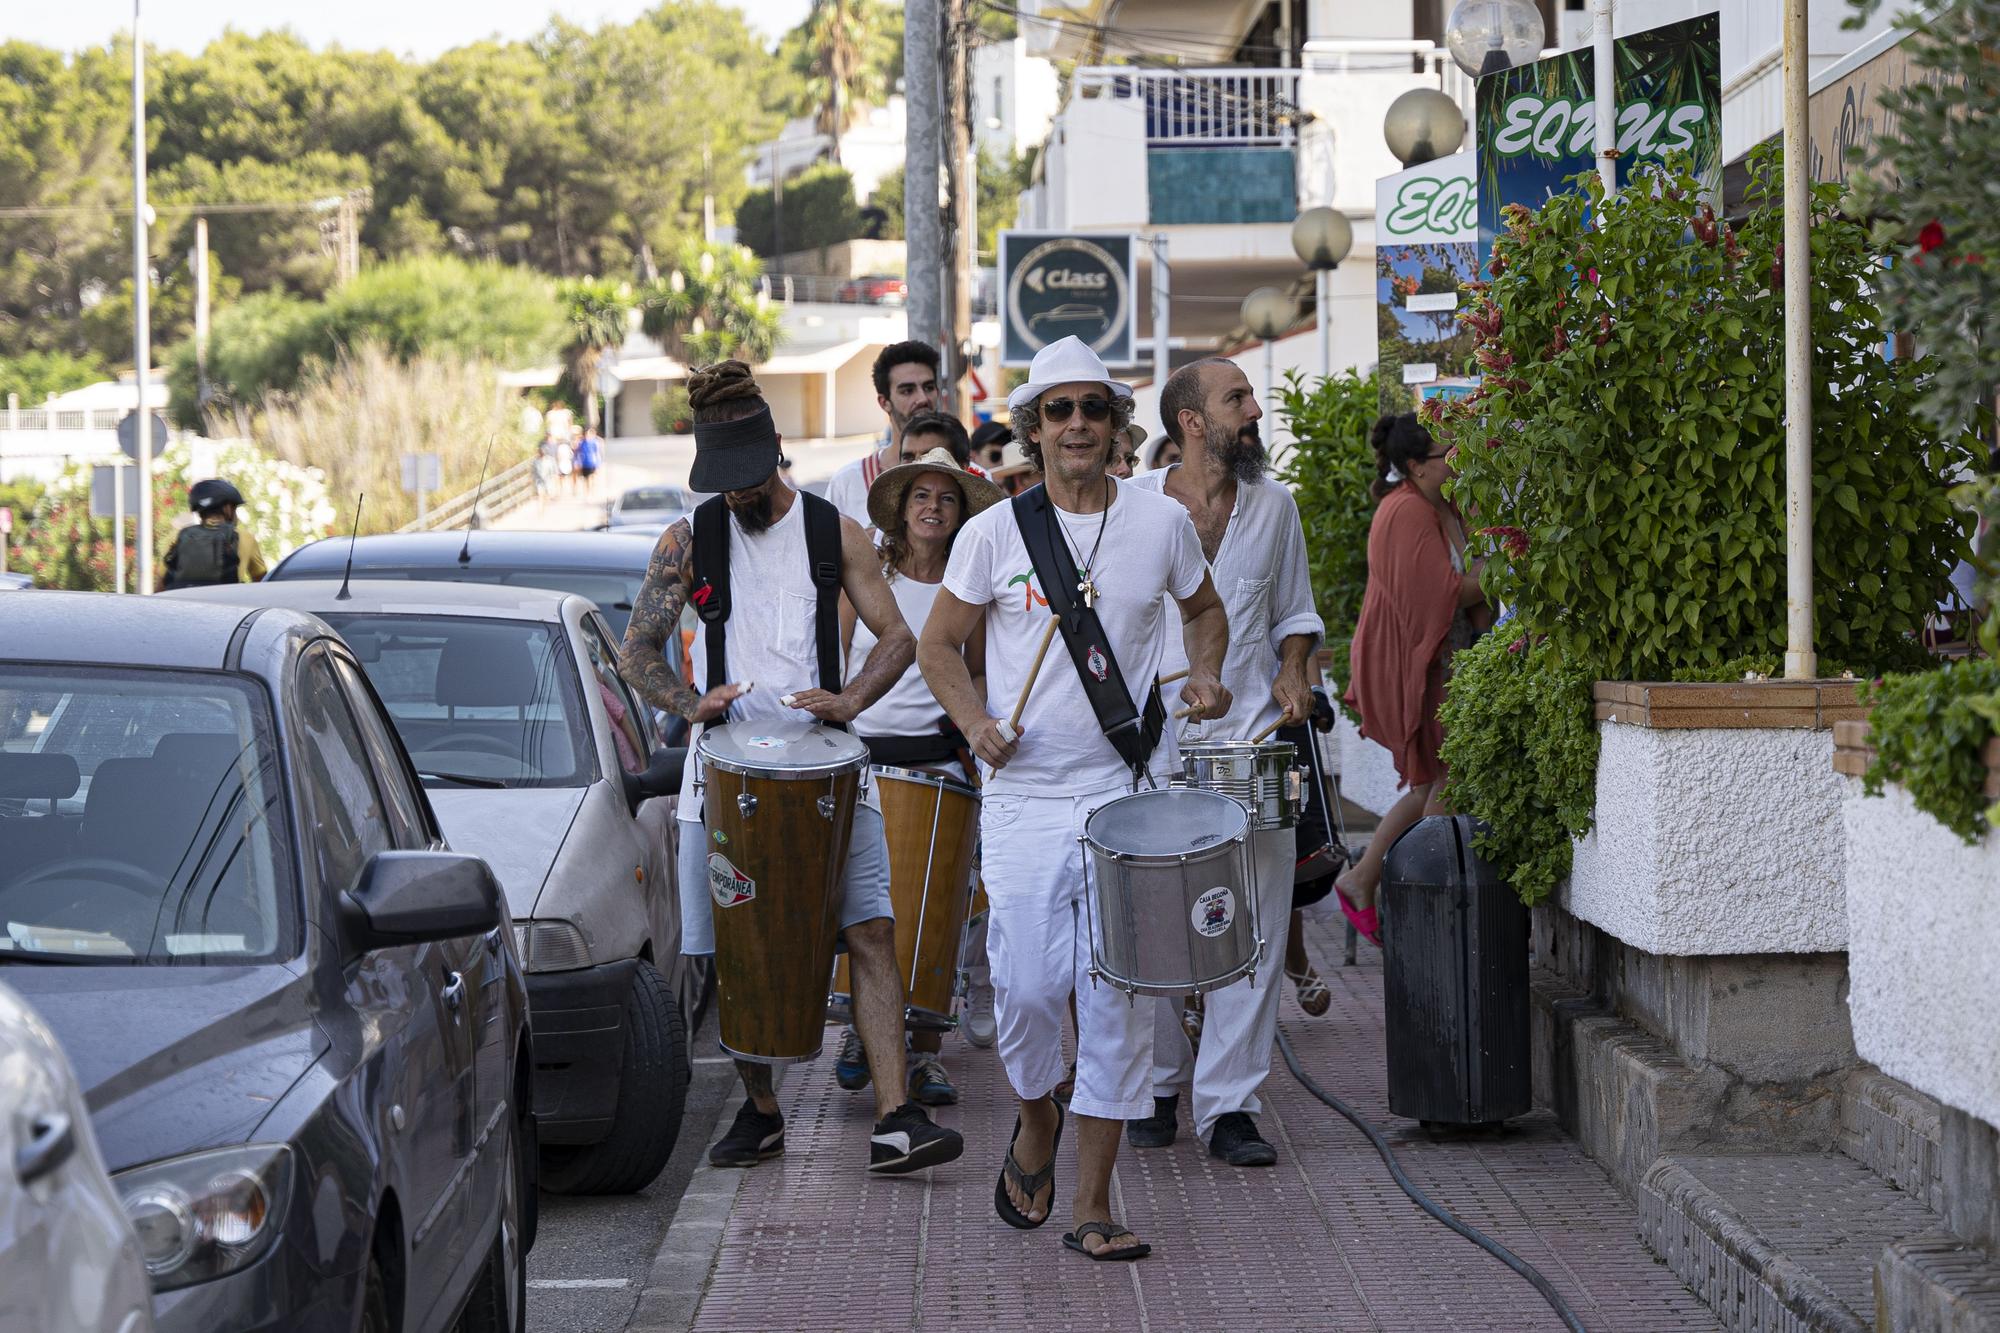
1159, 1129
850, 1067
752, 1138
1237, 1142
906, 1140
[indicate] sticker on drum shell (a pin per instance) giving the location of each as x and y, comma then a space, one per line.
1214, 912
726, 884
765, 743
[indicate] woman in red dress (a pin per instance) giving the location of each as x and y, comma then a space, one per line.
1414, 616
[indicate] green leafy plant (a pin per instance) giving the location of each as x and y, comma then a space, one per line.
709, 307
1520, 742
1930, 731
818, 210
672, 413
1330, 471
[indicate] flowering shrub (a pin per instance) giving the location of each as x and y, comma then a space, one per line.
64, 547
1330, 471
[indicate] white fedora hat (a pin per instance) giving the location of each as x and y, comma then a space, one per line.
1064, 361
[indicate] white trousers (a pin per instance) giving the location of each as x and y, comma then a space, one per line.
1241, 1019
1038, 948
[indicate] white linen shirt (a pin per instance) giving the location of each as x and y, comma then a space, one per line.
1261, 575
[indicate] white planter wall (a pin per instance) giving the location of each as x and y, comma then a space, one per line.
1715, 841
1923, 913
1367, 772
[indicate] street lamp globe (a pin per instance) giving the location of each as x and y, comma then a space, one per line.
1268, 312
1322, 237
1490, 36
1423, 125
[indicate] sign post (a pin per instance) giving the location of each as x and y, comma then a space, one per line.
6, 531
1053, 286
421, 475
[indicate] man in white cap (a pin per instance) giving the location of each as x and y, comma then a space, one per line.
1256, 550
1077, 747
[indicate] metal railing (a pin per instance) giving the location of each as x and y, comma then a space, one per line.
1204, 106
504, 491
793, 288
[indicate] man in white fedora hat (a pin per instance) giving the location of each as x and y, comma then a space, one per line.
1084, 736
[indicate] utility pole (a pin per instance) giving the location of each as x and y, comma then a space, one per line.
777, 200
964, 195
142, 340
201, 313
923, 226
1801, 660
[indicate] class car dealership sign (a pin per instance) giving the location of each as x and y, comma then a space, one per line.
1052, 286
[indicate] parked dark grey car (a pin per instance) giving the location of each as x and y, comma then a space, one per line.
297, 1017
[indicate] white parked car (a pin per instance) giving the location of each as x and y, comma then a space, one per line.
68, 1258
537, 757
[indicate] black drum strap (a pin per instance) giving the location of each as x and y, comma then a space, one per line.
823, 550
1132, 734
711, 584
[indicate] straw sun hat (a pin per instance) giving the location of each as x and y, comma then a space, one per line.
892, 488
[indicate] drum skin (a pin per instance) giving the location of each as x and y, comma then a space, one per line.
932, 824
773, 950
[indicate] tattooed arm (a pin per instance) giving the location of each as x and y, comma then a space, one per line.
652, 637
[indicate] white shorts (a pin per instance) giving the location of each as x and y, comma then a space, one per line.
864, 888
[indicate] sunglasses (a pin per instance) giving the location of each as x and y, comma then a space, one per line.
1057, 410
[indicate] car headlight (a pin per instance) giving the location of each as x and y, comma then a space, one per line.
207, 1214
550, 946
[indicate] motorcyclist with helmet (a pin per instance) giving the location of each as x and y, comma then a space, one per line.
213, 549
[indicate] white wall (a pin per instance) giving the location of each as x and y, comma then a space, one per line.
1017, 90
1752, 38
1103, 168
1341, 151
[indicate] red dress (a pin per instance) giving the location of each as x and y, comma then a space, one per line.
1398, 674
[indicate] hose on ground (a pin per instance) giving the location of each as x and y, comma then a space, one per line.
1424, 1201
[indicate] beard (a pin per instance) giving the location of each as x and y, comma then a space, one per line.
754, 515
1244, 457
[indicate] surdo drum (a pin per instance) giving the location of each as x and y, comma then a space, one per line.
778, 798
1173, 910
1262, 775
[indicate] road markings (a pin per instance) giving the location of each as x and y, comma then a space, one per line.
579, 1283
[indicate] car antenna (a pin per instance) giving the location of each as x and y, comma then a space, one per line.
472, 519
347, 577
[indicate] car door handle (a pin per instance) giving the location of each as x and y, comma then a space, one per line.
49, 1145
454, 991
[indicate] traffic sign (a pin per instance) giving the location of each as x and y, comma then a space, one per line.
105, 485
422, 474
128, 434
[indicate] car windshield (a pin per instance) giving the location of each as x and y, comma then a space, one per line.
612, 591
142, 819
477, 702
652, 497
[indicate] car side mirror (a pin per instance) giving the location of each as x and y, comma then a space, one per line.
416, 898
661, 778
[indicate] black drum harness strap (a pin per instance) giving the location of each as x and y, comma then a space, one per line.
711, 584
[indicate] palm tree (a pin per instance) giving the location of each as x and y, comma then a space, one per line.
840, 61
711, 307
596, 313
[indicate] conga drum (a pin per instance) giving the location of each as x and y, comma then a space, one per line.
1169, 896
778, 799
932, 825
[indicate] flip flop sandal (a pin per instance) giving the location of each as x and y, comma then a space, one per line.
1314, 997
1367, 922
1107, 1232
1030, 1183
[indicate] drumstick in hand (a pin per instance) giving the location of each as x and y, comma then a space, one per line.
1011, 728
1265, 734
1182, 674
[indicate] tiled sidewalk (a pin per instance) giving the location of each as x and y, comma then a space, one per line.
1325, 1241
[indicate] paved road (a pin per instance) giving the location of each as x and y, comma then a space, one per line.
592, 1255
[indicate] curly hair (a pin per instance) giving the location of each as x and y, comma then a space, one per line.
894, 545
725, 391
910, 353
1028, 429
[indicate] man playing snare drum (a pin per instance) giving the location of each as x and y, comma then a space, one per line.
1249, 529
772, 670
1132, 549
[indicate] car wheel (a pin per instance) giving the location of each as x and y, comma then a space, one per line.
652, 1089
375, 1316
499, 1300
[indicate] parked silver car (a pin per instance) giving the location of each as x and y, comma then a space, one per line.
68, 1258
539, 758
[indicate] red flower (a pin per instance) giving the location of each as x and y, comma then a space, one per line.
1515, 540
1519, 645
1931, 237
1592, 275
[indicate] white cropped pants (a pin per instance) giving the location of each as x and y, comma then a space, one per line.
1038, 947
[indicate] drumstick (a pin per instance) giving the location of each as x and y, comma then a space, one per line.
1011, 728
1265, 734
1182, 674
1189, 711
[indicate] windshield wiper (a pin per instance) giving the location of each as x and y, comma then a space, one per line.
462, 779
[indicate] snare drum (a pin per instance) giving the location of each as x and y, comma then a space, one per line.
1264, 777
1174, 908
778, 798
932, 824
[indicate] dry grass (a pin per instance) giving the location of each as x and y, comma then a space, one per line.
358, 418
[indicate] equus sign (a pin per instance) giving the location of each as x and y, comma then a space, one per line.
1055, 286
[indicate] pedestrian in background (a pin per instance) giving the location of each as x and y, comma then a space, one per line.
545, 466
989, 444
1163, 452
589, 457
1414, 616
565, 464
213, 550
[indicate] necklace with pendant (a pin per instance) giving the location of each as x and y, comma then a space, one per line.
1086, 587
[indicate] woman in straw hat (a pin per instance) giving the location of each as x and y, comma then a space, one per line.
918, 507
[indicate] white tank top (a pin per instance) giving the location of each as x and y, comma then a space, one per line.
772, 640
909, 708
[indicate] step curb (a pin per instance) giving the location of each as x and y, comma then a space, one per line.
678, 1278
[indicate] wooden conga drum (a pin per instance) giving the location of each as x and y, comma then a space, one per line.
778, 798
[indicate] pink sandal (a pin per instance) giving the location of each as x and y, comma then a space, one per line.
1368, 924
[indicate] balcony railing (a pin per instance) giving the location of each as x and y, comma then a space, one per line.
1187, 108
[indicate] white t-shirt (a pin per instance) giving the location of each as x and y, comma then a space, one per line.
909, 708
847, 489
1149, 552
1261, 575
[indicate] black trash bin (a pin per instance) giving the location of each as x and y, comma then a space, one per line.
1455, 980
